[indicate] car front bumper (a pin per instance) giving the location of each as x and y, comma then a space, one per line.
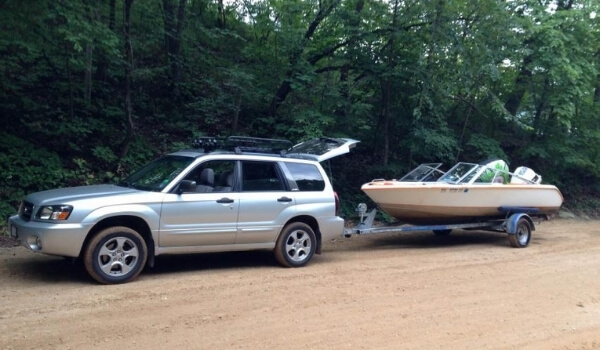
63, 239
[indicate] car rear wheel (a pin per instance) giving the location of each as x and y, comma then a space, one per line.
296, 245
115, 255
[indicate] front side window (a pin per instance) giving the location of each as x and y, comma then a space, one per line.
213, 176
158, 174
307, 176
261, 176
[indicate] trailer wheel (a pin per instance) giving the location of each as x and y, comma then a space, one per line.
522, 236
445, 232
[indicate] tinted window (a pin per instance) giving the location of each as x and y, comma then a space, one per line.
213, 176
261, 176
307, 177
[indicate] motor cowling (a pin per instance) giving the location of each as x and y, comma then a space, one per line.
525, 175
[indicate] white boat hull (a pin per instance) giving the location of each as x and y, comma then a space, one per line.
436, 202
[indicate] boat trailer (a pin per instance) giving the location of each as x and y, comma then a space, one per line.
517, 223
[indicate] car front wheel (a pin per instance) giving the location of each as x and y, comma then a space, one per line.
115, 255
296, 245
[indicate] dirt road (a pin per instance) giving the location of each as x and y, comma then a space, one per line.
469, 290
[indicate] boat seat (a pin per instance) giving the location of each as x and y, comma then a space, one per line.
207, 180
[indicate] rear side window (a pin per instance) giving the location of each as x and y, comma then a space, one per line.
307, 176
261, 176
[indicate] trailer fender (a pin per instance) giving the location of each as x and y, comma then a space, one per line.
513, 222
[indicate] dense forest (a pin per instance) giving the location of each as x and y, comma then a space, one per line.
92, 89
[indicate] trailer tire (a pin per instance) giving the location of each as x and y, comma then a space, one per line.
522, 236
441, 233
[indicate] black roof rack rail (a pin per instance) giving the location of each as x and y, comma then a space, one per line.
239, 144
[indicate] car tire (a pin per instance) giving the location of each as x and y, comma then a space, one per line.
296, 245
115, 255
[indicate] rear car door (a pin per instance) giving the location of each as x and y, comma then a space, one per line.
264, 200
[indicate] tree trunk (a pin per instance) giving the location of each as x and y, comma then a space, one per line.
71, 92
111, 15
130, 134
345, 69
286, 86
462, 134
236, 114
386, 89
385, 116
89, 49
539, 124
173, 25
102, 69
597, 90
92, 17
220, 15
514, 101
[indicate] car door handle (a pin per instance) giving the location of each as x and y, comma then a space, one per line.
284, 199
225, 200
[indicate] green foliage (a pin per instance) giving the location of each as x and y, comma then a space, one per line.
414, 81
433, 144
26, 170
480, 147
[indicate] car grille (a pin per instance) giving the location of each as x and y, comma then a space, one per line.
25, 211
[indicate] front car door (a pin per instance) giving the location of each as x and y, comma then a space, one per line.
207, 216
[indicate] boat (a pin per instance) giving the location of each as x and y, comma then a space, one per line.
468, 192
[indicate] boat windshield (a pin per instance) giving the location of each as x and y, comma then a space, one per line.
158, 174
466, 173
461, 173
424, 172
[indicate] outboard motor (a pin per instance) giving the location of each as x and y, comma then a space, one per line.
525, 175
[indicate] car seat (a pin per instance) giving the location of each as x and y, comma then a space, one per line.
207, 180
225, 182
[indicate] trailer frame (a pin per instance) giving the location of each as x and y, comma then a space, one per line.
517, 223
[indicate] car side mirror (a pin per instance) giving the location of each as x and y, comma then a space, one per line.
187, 186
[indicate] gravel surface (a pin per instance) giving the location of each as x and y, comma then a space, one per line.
469, 290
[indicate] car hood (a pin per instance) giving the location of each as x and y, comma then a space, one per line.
70, 195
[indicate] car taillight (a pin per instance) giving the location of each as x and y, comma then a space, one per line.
337, 204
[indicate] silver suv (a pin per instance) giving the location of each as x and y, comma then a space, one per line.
233, 195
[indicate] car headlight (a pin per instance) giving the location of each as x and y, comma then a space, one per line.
54, 212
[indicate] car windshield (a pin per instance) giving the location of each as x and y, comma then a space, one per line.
158, 174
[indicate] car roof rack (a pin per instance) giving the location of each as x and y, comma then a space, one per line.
241, 144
